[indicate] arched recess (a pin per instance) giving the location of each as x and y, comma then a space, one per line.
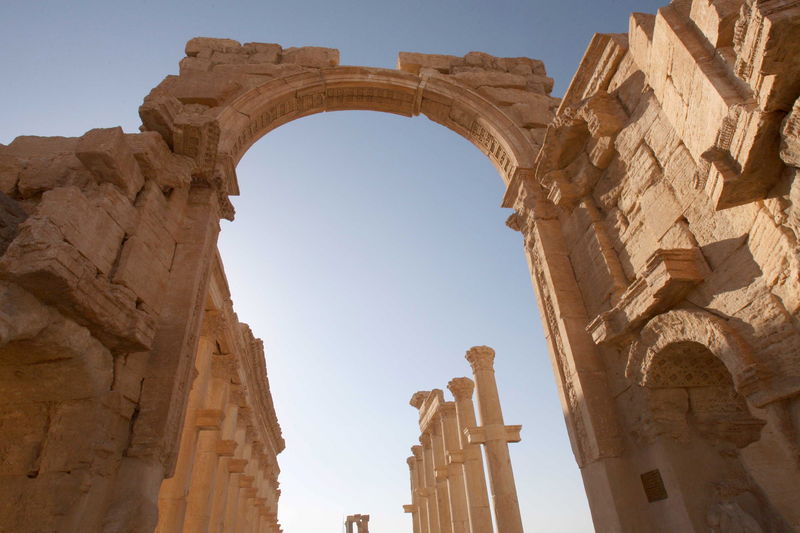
702, 328
701, 387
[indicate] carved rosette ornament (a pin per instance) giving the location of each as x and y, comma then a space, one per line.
480, 358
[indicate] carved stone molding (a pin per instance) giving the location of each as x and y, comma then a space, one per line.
751, 378
668, 276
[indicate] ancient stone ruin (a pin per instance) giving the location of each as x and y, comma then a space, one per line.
448, 481
658, 209
361, 521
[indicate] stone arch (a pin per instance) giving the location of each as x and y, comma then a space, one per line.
229, 95
683, 327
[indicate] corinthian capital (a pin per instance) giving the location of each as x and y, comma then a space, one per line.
480, 358
461, 388
418, 398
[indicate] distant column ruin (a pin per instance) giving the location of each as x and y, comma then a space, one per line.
361, 521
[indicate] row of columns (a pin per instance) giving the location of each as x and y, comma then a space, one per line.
225, 478
448, 481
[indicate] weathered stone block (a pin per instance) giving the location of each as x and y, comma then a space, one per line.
491, 79
311, 56
105, 152
205, 44
412, 62
88, 228
10, 168
23, 427
790, 137
202, 88
157, 161
263, 52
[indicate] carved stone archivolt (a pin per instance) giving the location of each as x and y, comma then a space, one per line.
648, 366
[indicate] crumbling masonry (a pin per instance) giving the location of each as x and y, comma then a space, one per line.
657, 206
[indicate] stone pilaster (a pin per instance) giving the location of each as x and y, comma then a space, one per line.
495, 436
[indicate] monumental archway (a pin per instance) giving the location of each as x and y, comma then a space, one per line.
667, 180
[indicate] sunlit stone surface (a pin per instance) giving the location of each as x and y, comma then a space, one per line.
657, 206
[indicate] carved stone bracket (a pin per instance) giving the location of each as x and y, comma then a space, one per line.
668, 276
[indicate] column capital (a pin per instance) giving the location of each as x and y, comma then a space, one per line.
411, 461
417, 451
461, 388
425, 439
418, 398
440, 473
480, 358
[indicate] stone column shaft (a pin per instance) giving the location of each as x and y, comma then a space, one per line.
480, 514
414, 507
495, 436
419, 484
440, 471
430, 485
459, 514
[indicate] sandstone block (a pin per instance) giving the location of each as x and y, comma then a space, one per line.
157, 161
521, 64
105, 152
199, 64
10, 168
88, 228
790, 137
535, 114
23, 427
491, 79
263, 52
31, 146
205, 44
42, 174
11, 215
141, 271
412, 62
203, 88
502, 97
311, 56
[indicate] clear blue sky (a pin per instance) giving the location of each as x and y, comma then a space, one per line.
369, 251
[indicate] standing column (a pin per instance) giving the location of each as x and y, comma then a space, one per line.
414, 507
440, 469
459, 516
495, 436
430, 484
421, 496
427, 478
480, 514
